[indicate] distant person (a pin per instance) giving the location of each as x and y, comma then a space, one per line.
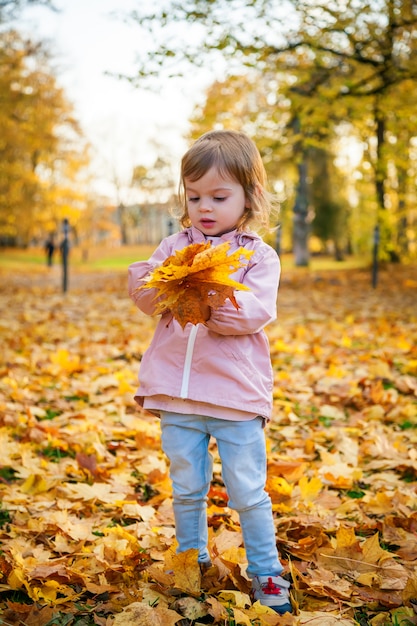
215, 378
50, 249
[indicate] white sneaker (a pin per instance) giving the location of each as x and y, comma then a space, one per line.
272, 591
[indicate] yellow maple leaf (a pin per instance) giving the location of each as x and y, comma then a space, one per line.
372, 551
194, 277
346, 538
35, 484
66, 362
186, 569
52, 592
124, 384
235, 598
278, 488
141, 614
310, 488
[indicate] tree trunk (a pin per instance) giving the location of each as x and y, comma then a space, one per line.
386, 236
300, 218
122, 222
380, 168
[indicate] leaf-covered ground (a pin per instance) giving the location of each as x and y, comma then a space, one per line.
86, 524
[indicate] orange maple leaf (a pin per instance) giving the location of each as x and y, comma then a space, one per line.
194, 277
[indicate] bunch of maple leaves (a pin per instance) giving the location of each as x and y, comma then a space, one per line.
86, 523
196, 276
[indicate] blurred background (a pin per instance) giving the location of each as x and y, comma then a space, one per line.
100, 98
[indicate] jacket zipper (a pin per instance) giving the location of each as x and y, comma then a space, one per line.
188, 360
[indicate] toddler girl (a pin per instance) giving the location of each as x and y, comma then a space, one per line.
214, 379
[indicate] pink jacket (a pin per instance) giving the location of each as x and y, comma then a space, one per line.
225, 362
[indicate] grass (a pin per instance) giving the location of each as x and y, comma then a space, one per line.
98, 258
118, 258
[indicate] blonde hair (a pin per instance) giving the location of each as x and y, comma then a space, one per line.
236, 156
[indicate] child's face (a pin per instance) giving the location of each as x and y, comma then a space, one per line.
215, 204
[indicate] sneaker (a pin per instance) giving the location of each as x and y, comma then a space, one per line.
272, 591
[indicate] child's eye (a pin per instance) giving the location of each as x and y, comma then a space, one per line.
193, 199
219, 199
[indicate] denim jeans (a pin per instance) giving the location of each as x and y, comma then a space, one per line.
241, 446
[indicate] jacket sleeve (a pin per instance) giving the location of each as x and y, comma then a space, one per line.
258, 306
137, 273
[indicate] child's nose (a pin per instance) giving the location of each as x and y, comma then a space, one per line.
205, 204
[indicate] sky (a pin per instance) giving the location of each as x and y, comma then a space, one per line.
125, 126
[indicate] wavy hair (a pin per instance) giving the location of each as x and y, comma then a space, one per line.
235, 156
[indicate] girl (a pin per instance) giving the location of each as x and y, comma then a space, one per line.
215, 379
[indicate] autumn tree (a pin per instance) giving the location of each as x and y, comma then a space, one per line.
370, 53
344, 59
252, 102
9, 9
42, 153
258, 104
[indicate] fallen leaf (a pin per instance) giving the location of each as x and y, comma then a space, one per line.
137, 614
86, 515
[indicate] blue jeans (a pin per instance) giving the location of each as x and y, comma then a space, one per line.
242, 450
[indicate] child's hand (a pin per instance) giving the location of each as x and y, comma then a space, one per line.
205, 311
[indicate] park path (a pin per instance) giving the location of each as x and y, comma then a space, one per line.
50, 279
303, 292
